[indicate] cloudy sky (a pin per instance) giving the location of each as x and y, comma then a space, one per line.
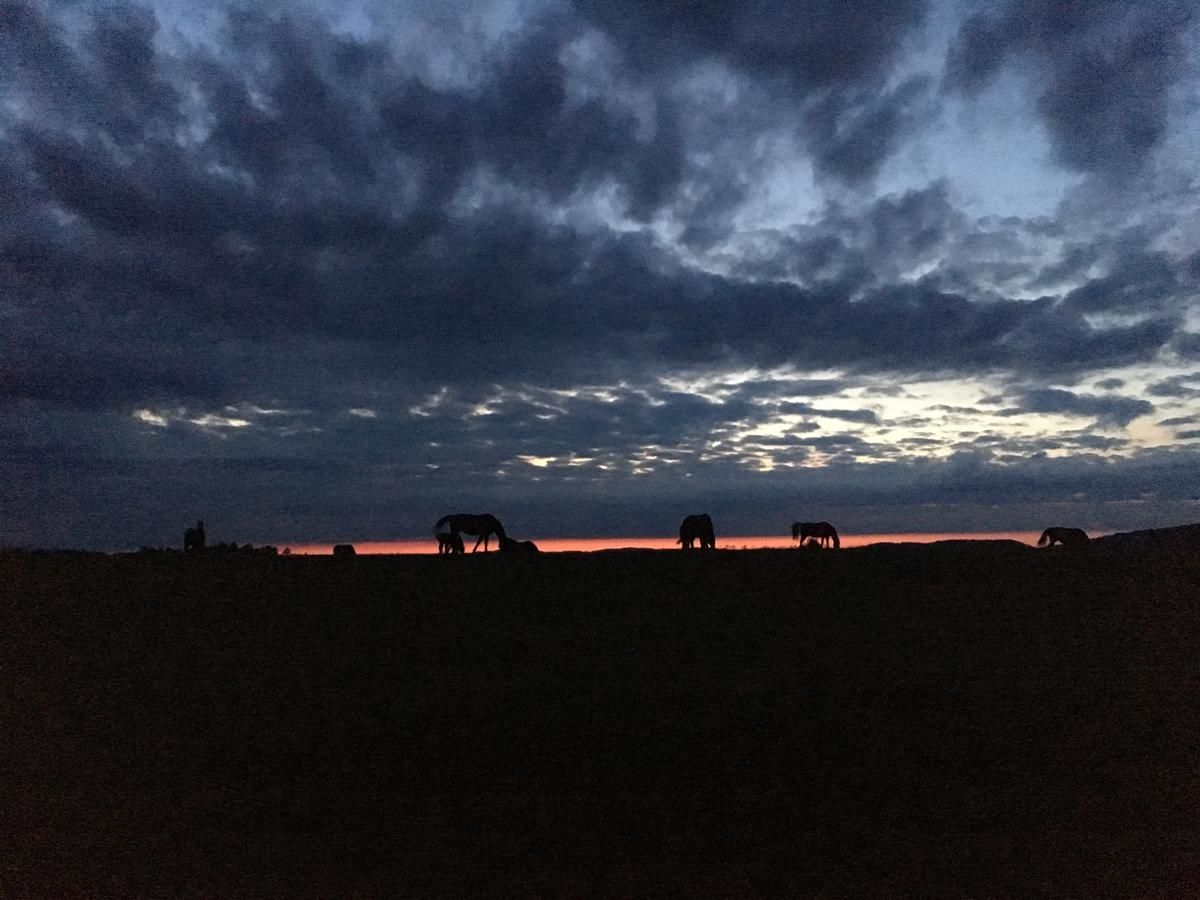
318, 271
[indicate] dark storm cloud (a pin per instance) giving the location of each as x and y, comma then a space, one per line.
1063, 340
851, 134
883, 242
272, 227
1108, 67
106, 371
1181, 386
795, 387
543, 423
1107, 410
878, 244
524, 126
1018, 449
864, 416
1187, 345
1072, 266
230, 235
809, 43
1141, 282
960, 410
602, 310
830, 59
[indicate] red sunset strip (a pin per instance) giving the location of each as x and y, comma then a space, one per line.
752, 542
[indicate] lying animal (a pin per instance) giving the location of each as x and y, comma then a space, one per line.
1068, 537
508, 545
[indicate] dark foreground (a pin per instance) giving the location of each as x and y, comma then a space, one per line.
982, 719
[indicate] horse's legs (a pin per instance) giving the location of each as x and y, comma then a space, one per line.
478, 542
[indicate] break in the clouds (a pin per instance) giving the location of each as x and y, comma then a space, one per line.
316, 270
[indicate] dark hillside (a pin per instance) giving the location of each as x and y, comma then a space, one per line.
956, 719
1182, 539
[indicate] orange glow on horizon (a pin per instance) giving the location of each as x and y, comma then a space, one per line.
428, 546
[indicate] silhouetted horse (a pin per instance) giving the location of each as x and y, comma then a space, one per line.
822, 531
344, 550
484, 525
697, 528
193, 538
508, 545
1068, 537
449, 544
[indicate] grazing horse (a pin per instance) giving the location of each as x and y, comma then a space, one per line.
449, 544
508, 545
344, 550
822, 531
484, 525
1068, 537
193, 538
697, 528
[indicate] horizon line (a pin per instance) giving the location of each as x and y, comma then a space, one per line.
428, 546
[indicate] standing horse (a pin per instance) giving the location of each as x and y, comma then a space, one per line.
484, 525
1068, 537
193, 538
449, 544
697, 527
822, 531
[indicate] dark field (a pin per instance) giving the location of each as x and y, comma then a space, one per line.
954, 719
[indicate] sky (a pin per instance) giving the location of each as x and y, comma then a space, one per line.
318, 271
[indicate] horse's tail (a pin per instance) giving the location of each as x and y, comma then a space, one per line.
795, 531
833, 534
440, 522
1044, 538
